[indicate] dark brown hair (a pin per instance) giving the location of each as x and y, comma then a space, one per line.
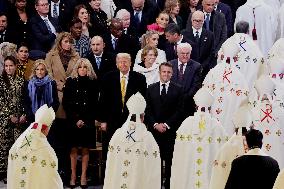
4, 73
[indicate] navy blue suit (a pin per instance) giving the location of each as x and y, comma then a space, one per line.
41, 38
226, 10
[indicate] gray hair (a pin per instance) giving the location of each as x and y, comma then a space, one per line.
183, 46
242, 27
121, 13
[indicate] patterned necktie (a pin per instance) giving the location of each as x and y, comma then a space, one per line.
47, 25
98, 61
114, 43
207, 21
123, 89
54, 11
180, 74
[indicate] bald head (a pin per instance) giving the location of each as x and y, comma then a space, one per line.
138, 5
208, 5
197, 19
97, 45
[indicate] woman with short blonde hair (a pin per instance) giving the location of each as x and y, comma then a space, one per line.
80, 100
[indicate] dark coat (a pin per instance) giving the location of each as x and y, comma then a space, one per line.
202, 49
112, 110
107, 64
41, 39
226, 10
66, 12
98, 19
253, 171
217, 26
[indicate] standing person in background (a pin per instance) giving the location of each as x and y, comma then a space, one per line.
226, 10
12, 114
24, 67
60, 61
80, 100
81, 42
186, 8
40, 89
44, 29
172, 7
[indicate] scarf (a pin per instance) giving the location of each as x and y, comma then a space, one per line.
46, 97
65, 57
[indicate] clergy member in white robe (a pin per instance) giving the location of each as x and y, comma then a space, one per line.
276, 73
197, 141
32, 163
108, 6
235, 147
262, 20
281, 22
228, 86
133, 160
268, 117
249, 58
277, 49
279, 182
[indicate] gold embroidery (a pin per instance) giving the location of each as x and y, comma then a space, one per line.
127, 150
24, 158
137, 152
224, 164
125, 174
22, 183
123, 186
279, 132
199, 161
43, 163
23, 170
209, 140
219, 140
199, 149
126, 163
199, 173
110, 148
146, 153
198, 184
53, 164
33, 159
155, 154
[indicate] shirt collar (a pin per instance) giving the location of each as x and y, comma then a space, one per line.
199, 31
205, 14
178, 42
44, 18
126, 75
167, 83
179, 63
55, 3
99, 56
112, 37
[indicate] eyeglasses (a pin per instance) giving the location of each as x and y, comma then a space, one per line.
197, 21
43, 5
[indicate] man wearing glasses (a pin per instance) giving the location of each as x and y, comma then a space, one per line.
203, 42
43, 28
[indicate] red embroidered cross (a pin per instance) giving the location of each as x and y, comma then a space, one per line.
267, 113
226, 74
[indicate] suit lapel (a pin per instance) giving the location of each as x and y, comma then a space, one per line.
175, 70
187, 73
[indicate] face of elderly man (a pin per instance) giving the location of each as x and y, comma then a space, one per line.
208, 5
183, 54
97, 45
125, 18
197, 19
123, 63
137, 5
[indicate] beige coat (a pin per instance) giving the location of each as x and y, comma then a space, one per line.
59, 75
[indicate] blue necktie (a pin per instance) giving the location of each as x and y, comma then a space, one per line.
54, 11
47, 25
207, 21
98, 61
136, 18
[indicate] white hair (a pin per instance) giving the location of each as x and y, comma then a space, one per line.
121, 13
184, 46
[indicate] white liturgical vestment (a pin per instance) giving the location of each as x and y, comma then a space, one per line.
281, 22
229, 88
32, 163
279, 182
223, 160
152, 74
264, 18
268, 116
133, 160
197, 141
249, 58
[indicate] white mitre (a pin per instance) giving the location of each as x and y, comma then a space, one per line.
264, 86
136, 104
44, 116
229, 51
276, 65
242, 118
203, 98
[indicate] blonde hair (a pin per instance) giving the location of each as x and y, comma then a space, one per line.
170, 4
83, 62
57, 46
36, 64
123, 55
146, 50
146, 36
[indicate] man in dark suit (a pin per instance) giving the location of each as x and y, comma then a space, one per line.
187, 73
163, 114
101, 60
142, 14
5, 35
226, 10
118, 42
255, 169
215, 22
43, 28
174, 37
63, 11
116, 88
203, 43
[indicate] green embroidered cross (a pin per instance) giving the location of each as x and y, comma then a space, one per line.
27, 142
